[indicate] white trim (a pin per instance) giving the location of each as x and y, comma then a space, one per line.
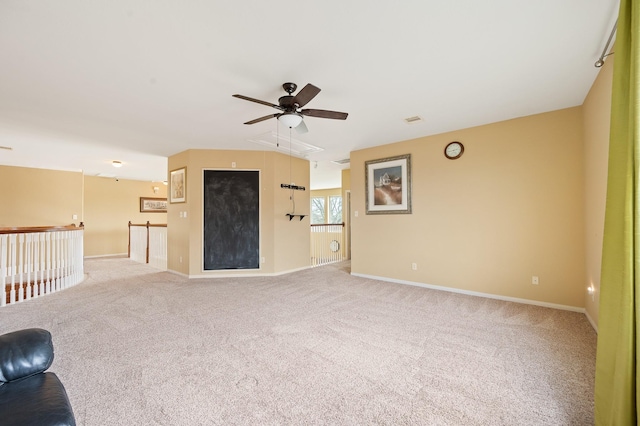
239, 274
106, 255
593, 323
475, 293
178, 273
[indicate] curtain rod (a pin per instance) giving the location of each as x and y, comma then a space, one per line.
600, 62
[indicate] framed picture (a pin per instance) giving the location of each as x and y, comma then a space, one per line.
153, 205
388, 185
178, 186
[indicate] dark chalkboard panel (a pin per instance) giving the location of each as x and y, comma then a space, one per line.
231, 219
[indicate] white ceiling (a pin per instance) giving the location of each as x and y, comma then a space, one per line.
83, 83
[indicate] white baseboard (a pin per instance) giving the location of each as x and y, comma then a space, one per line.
178, 273
593, 323
254, 273
475, 293
106, 255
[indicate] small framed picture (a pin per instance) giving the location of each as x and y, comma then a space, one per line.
178, 186
153, 205
388, 185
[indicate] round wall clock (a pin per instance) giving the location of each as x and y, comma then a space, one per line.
453, 150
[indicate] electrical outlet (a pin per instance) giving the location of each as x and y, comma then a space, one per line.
180, 259
414, 266
263, 260
233, 164
535, 280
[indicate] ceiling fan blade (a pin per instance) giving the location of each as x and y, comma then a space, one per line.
266, 117
322, 113
302, 128
246, 98
307, 93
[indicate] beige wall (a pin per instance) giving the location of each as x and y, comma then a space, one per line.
597, 119
346, 179
346, 208
109, 206
49, 197
510, 208
179, 231
326, 192
292, 239
39, 197
284, 244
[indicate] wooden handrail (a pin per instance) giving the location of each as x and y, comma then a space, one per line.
328, 224
30, 229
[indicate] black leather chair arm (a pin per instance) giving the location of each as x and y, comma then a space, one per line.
24, 353
28, 395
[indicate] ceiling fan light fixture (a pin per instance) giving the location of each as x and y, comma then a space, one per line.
116, 163
290, 119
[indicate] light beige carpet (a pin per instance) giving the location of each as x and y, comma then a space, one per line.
135, 346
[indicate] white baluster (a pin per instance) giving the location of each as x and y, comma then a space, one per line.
79, 256
47, 245
3, 267
20, 266
28, 264
12, 266
56, 267
66, 262
64, 238
41, 265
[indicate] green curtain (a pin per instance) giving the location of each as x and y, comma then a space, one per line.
616, 399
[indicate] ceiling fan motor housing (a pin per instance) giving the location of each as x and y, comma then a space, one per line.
289, 87
287, 103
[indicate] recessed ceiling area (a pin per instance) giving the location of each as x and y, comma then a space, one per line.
84, 83
276, 141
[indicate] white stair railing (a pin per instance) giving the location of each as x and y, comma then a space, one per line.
148, 244
35, 261
327, 241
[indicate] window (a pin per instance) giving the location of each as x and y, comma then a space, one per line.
322, 213
317, 210
335, 209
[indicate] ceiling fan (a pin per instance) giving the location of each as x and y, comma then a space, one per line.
291, 107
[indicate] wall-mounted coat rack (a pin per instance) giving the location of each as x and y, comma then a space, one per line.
295, 187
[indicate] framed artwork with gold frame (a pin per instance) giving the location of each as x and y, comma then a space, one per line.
178, 185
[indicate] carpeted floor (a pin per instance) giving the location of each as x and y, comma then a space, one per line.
135, 346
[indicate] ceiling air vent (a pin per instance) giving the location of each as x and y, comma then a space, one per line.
8, 148
413, 120
345, 161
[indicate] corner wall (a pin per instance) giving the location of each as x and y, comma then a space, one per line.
510, 208
597, 121
284, 244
